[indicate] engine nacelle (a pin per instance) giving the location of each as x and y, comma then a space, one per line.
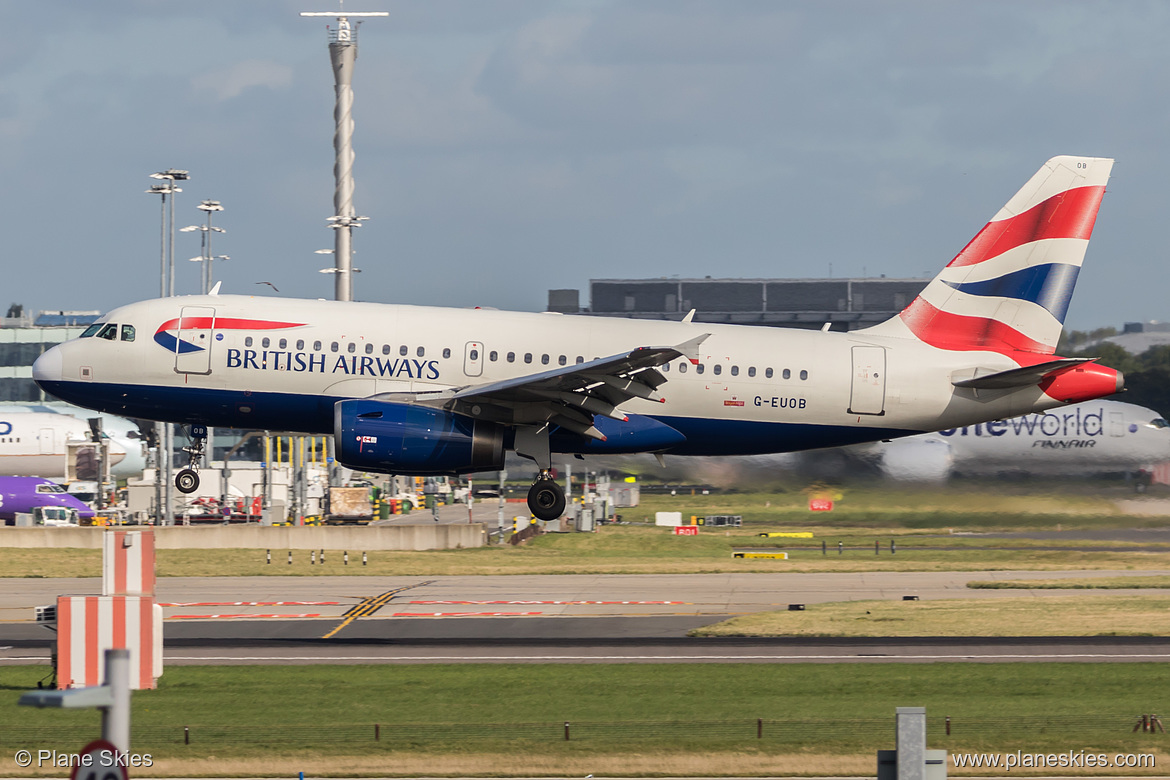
416, 440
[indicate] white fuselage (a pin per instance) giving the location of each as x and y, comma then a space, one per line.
37, 444
281, 364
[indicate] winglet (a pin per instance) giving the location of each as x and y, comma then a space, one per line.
690, 349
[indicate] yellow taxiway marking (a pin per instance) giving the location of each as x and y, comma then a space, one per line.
369, 606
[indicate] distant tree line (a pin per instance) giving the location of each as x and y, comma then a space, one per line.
1147, 376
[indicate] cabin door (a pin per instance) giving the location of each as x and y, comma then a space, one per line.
868, 391
195, 334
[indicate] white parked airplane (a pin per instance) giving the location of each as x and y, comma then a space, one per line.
1088, 438
1094, 437
423, 390
36, 444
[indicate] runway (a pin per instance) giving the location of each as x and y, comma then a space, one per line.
547, 619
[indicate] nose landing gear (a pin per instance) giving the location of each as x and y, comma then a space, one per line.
187, 480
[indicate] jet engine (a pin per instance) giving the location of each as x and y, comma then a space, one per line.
396, 438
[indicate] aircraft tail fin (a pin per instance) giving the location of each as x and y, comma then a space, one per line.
1009, 289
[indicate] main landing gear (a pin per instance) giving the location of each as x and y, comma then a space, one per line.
187, 480
546, 498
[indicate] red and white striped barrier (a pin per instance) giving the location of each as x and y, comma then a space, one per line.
87, 626
128, 563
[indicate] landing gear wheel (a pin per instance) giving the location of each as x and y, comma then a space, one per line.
546, 499
187, 481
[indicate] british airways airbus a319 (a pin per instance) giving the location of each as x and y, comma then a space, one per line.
425, 390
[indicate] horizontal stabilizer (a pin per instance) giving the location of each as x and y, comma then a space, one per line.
1018, 377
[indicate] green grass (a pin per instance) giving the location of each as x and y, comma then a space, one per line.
1089, 615
636, 549
1075, 583
251, 711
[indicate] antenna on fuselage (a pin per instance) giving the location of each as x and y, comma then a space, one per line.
343, 53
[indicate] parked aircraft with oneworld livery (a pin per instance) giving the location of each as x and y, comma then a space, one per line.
427, 390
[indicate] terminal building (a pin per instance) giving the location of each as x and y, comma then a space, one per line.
24, 338
846, 304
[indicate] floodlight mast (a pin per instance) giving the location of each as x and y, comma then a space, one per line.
343, 53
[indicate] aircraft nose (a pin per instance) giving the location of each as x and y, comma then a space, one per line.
48, 367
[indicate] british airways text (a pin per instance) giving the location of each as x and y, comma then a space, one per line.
353, 365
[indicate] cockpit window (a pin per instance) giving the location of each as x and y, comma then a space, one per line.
1158, 422
109, 332
92, 329
47, 488
127, 333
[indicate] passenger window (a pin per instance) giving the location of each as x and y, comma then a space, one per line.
283, 344
265, 342
665, 367
421, 352
544, 360
682, 368
751, 370
316, 346
527, 357
446, 352
369, 347
699, 368
734, 372
803, 375
300, 345
333, 347
473, 355
385, 349
768, 373
247, 341
580, 359
493, 356
511, 357
717, 369
352, 347
403, 350
92, 329
562, 360
127, 333
109, 332
787, 374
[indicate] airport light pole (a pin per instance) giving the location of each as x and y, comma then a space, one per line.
343, 54
205, 256
165, 432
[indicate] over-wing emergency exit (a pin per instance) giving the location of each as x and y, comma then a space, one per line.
428, 390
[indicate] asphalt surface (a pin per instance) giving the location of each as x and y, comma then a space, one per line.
531, 618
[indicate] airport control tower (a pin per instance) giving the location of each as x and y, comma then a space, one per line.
343, 53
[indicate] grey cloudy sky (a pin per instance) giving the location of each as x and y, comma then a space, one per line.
506, 147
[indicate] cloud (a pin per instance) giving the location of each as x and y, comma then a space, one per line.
235, 80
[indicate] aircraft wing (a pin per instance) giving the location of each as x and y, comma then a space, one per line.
568, 396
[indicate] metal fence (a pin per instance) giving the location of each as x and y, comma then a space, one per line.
942, 731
